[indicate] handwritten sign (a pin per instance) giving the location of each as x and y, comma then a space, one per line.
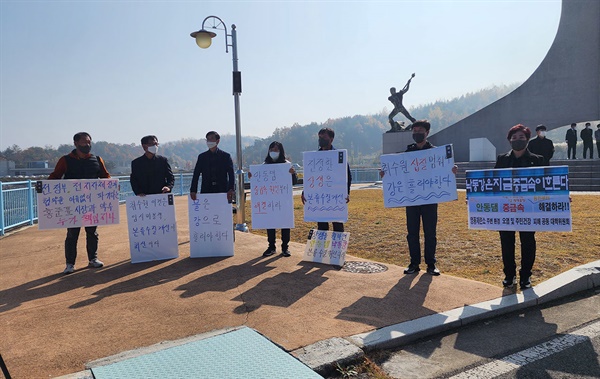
75, 203
211, 226
519, 199
272, 196
326, 185
152, 228
326, 247
419, 177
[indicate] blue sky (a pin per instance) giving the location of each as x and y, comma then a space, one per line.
124, 69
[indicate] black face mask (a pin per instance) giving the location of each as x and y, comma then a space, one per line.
418, 137
519, 144
84, 149
323, 142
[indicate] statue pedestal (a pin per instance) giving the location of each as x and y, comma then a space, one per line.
396, 142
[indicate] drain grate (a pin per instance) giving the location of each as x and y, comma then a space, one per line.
363, 267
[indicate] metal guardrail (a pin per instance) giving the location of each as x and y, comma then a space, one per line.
18, 205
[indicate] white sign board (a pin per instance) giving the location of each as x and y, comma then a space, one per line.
152, 228
211, 226
325, 246
519, 199
272, 196
75, 203
419, 177
326, 186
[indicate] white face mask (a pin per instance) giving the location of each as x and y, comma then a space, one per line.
211, 144
153, 149
274, 155
542, 134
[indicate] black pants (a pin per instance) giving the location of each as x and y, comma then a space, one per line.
507, 241
71, 243
337, 226
573, 148
588, 146
414, 214
285, 239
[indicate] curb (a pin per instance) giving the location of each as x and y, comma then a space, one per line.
324, 355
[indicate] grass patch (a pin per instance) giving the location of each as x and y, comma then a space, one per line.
379, 234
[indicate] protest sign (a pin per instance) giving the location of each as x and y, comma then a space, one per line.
419, 177
272, 196
326, 186
152, 228
211, 226
328, 247
75, 203
519, 199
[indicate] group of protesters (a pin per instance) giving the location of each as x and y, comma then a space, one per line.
152, 174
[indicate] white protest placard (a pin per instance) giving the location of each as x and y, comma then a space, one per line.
419, 177
211, 226
325, 186
75, 203
272, 196
327, 247
152, 228
519, 199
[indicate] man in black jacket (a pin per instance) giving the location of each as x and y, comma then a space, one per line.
542, 145
216, 168
588, 142
151, 173
571, 138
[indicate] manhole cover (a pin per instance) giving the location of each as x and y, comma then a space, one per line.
363, 267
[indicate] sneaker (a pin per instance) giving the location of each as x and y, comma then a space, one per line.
286, 253
268, 252
509, 281
69, 269
412, 269
95, 263
525, 283
432, 270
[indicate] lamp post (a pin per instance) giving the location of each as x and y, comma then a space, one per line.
204, 39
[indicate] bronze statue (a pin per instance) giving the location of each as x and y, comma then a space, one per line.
396, 99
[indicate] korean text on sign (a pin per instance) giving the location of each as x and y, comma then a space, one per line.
211, 226
326, 186
75, 203
152, 228
519, 199
326, 247
272, 196
419, 177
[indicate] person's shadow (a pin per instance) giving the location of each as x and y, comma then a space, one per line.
157, 277
284, 289
227, 278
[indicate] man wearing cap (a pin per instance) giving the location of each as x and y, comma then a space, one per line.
542, 145
597, 135
588, 142
571, 138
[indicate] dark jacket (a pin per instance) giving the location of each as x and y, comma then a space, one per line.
150, 175
71, 166
217, 172
509, 160
541, 146
586, 135
414, 147
571, 136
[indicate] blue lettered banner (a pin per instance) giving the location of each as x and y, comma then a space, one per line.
326, 247
519, 199
325, 185
152, 228
272, 196
74, 203
419, 177
211, 226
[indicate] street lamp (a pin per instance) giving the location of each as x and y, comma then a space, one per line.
204, 39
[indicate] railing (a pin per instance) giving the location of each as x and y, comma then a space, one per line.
19, 206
